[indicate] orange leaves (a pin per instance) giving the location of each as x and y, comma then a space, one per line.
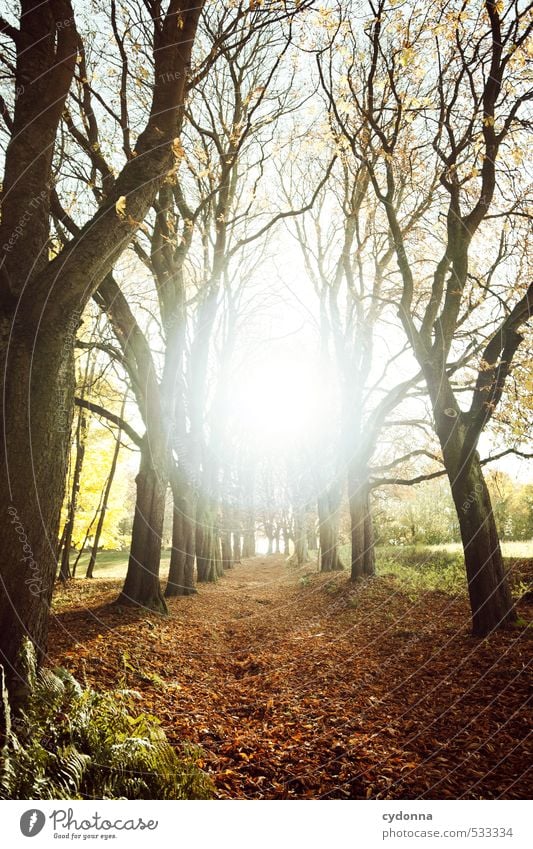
308, 696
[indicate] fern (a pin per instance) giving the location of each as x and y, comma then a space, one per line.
72, 742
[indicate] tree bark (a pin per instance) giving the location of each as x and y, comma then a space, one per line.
328, 529
181, 575
226, 548
361, 528
287, 541
142, 586
248, 539
237, 547
300, 538
488, 586
35, 440
206, 543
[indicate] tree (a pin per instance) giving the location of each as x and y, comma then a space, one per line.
347, 253
445, 122
42, 298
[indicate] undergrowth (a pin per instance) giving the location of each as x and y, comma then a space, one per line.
72, 742
421, 569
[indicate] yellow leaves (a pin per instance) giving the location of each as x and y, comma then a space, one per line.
120, 207
417, 102
326, 19
488, 121
345, 52
406, 56
344, 106
177, 149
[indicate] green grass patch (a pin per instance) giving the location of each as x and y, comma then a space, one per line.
441, 568
113, 564
421, 570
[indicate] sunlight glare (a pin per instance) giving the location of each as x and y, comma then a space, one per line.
280, 401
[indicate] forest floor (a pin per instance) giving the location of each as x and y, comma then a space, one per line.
302, 685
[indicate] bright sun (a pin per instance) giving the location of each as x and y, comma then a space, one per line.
279, 399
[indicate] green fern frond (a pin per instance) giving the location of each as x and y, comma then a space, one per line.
73, 742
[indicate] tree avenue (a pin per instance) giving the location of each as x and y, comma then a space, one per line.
265, 304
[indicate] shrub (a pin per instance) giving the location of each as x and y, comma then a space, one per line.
72, 742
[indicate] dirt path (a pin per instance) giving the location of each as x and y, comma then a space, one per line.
301, 685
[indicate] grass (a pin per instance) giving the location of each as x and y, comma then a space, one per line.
421, 569
113, 564
522, 549
440, 568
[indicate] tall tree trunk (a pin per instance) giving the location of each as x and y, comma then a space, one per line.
491, 600
328, 529
66, 545
105, 501
226, 548
248, 538
142, 586
237, 548
219, 566
287, 541
300, 538
181, 577
206, 542
361, 528
488, 586
369, 566
311, 532
32, 480
82, 432
88, 533
226, 528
